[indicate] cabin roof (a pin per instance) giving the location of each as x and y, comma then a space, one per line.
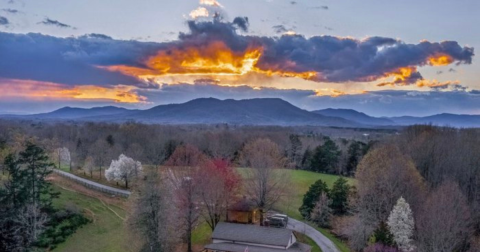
252, 234
232, 247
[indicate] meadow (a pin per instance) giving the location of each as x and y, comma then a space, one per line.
107, 231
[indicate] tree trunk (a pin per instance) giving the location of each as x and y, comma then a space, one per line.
261, 216
126, 183
189, 237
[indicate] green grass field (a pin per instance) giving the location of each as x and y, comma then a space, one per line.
300, 182
106, 233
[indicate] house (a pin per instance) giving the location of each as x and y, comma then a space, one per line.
233, 237
243, 211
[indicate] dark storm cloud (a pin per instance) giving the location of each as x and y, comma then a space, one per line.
4, 21
11, 11
279, 29
74, 60
69, 60
96, 35
345, 59
334, 59
242, 23
56, 23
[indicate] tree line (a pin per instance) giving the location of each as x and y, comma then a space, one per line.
415, 191
92, 146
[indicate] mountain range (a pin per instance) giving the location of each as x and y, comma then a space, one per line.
261, 111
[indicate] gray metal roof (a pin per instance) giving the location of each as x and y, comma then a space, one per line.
252, 234
232, 247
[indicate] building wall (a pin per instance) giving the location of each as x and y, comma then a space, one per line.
239, 217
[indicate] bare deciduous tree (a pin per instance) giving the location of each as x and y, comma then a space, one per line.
385, 175
322, 213
265, 182
444, 222
183, 166
89, 166
152, 219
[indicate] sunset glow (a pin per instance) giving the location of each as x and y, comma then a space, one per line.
214, 60
48, 90
441, 60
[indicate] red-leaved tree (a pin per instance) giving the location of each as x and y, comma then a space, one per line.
217, 183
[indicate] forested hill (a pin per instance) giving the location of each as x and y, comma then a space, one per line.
267, 111
261, 111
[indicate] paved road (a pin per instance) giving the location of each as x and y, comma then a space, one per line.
93, 185
322, 241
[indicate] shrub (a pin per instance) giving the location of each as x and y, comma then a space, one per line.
311, 197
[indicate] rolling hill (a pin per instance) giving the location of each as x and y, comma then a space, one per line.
243, 112
267, 111
261, 111
355, 116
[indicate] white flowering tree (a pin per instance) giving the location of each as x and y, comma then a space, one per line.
401, 225
123, 169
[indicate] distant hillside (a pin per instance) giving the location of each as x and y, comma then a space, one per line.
202, 111
355, 116
262, 111
267, 111
68, 113
461, 121
453, 120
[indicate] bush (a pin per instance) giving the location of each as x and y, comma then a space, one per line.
382, 235
311, 197
63, 224
339, 196
380, 248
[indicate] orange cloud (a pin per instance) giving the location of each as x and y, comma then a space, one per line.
436, 84
440, 60
199, 12
337, 93
213, 60
14, 88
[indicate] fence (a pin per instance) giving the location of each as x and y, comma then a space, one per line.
93, 185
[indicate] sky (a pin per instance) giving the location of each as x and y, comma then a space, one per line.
384, 58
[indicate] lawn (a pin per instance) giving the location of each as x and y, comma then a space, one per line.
106, 232
300, 181
305, 239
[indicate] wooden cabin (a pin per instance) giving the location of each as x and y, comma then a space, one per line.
243, 211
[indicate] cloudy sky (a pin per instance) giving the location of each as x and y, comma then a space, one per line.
385, 58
